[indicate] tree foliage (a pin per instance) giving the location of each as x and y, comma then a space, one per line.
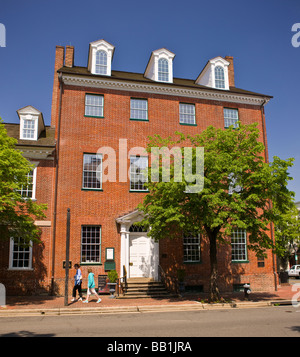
17, 214
239, 187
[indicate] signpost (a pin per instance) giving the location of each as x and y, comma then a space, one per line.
67, 256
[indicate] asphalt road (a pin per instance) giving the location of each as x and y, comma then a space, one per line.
280, 321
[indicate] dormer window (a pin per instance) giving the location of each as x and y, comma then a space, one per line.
215, 74
219, 77
31, 123
101, 62
160, 66
163, 70
100, 57
28, 131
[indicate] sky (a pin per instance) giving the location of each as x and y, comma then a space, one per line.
258, 34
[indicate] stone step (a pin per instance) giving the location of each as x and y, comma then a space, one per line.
138, 288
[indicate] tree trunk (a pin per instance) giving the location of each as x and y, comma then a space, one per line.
214, 294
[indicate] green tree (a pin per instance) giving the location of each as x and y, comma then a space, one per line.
287, 233
17, 214
238, 188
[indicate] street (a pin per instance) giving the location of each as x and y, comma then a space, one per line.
280, 321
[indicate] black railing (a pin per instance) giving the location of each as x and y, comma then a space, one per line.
122, 283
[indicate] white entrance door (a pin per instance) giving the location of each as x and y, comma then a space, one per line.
140, 256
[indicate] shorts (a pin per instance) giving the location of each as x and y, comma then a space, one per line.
91, 291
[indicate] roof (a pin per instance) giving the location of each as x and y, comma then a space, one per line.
46, 138
139, 77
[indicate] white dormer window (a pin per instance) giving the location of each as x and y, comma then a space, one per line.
29, 129
100, 57
215, 74
163, 70
101, 62
160, 66
219, 77
31, 123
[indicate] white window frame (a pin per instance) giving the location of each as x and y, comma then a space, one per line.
22, 127
135, 177
101, 68
184, 116
135, 111
239, 246
90, 244
231, 119
25, 189
95, 106
19, 251
190, 244
98, 172
219, 81
163, 76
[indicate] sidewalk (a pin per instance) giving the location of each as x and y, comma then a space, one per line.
46, 305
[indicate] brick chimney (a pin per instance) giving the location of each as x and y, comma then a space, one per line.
230, 71
69, 61
59, 63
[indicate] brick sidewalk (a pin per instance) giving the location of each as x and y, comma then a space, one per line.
284, 292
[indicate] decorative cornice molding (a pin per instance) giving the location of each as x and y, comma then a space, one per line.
200, 93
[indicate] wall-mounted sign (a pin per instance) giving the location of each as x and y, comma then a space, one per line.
64, 264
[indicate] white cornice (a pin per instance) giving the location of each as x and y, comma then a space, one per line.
224, 96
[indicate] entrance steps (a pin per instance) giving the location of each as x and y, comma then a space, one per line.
138, 288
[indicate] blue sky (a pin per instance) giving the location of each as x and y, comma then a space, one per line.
256, 33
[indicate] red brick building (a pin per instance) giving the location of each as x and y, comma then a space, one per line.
99, 113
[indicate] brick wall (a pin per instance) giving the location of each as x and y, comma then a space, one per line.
80, 134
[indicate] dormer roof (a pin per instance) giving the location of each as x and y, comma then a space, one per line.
100, 45
152, 69
207, 75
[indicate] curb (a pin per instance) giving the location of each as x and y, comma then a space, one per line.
139, 309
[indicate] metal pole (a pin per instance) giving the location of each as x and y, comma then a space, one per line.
67, 256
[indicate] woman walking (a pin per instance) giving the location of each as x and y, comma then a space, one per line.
91, 287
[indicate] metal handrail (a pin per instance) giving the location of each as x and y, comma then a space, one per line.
121, 280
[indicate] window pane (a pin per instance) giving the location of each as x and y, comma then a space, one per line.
90, 244
219, 77
21, 254
138, 176
231, 117
139, 109
94, 105
92, 171
239, 245
28, 129
27, 190
187, 113
101, 62
163, 70
191, 248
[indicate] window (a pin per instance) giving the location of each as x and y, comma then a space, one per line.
20, 254
93, 105
163, 70
138, 109
101, 62
219, 77
90, 244
260, 261
28, 191
239, 245
187, 113
28, 129
231, 117
92, 171
191, 248
138, 176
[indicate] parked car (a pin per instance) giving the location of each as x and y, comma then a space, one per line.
295, 271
